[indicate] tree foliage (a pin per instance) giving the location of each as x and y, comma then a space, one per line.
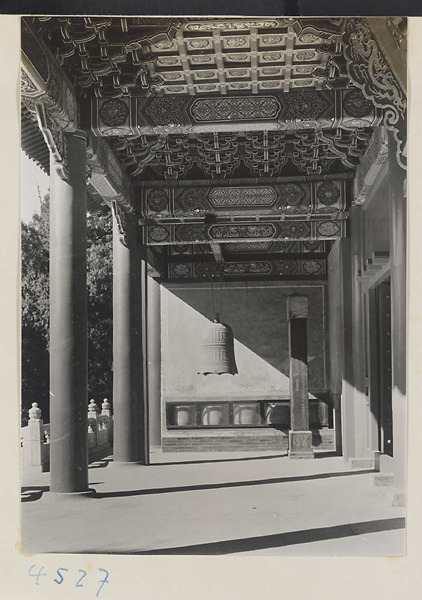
100, 306
35, 309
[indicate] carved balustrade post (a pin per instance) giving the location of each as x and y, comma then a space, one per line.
33, 438
93, 423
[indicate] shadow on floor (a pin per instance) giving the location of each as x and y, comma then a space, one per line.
229, 484
101, 464
327, 454
216, 460
30, 493
320, 454
280, 539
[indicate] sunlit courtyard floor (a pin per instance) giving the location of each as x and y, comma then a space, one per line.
217, 504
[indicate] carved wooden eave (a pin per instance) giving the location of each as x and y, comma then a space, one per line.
371, 166
369, 69
49, 96
44, 83
218, 156
107, 175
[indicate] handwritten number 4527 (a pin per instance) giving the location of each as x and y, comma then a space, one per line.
61, 577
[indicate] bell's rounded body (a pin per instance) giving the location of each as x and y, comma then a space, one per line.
215, 349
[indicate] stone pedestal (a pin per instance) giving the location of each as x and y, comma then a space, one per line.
300, 444
33, 438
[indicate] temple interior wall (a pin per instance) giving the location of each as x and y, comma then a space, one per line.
257, 315
376, 220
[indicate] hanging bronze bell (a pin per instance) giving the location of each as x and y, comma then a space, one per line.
217, 350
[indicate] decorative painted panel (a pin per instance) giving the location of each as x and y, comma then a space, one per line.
313, 267
277, 111
238, 109
248, 248
242, 196
284, 198
284, 230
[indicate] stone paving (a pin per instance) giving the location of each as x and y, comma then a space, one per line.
217, 504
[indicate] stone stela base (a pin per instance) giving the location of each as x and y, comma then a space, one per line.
300, 444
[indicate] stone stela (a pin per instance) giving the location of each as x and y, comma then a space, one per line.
300, 437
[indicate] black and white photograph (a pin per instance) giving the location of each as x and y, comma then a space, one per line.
213, 286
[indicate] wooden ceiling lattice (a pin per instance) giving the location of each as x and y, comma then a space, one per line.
262, 154
113, 57
233, 140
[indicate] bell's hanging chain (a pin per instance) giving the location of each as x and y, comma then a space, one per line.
221, 293
215, 315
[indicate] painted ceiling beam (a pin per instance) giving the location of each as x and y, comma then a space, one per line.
302, 199
282, 112
300, 268
200, 233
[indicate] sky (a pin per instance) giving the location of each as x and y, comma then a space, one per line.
31, 177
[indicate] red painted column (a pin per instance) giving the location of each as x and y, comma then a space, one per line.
128, 395
68, 322
154, 360
398, 236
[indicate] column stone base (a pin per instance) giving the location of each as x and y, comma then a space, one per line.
300, 444
69, 496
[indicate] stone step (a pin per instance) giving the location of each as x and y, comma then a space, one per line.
321, 440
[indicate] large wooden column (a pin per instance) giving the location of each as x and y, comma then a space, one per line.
336, 329
300, 437
127, 344
361, 400
154, 360
398, 236
68, 321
